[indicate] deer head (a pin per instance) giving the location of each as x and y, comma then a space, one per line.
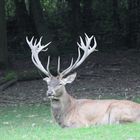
56, 84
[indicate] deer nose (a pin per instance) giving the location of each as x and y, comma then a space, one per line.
49, 93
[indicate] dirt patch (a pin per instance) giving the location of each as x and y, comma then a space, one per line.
103, 75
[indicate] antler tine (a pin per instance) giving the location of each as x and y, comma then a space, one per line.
29, 42
48, 64
36, 48
58, 66
87, 51
66, 71
39, 42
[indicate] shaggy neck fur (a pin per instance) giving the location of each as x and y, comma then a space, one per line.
61, 107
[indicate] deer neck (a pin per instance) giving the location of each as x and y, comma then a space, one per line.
62, 106
64, 102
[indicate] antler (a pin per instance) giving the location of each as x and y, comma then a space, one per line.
36, 48
87, 51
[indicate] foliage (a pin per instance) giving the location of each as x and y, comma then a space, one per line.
114, 25
9, 8
49, 5
56, 14
9, 76
34, 122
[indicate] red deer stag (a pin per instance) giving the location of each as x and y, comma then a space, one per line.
71, 112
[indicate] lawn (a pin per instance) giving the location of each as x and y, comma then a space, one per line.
35, 123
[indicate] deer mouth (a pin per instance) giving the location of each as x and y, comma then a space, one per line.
53, 97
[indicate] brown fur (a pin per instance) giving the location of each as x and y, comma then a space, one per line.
71, 112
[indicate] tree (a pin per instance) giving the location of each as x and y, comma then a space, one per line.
40, 24
138, 23
75, 19
31, 22
3, 37
116, 23
24, 22
132, 24
87, 15
21, 15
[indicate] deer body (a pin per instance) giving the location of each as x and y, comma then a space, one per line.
71, 112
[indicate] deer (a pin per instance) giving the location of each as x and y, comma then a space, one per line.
70, 112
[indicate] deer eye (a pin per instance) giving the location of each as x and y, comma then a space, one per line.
59, 85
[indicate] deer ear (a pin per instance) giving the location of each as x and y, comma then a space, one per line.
69, 79
46, 79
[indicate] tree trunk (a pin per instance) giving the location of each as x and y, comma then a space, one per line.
87, 16
116, 31
116, 15
21, 15
24, 23
3, 37
41, 26
75, 21
138, 23
132, 24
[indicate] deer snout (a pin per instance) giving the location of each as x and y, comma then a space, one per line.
50, 92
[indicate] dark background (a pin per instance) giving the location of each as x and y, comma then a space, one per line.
114, 23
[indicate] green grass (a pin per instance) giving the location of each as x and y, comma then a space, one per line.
9, 75
34, 123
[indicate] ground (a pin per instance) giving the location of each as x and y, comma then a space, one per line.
105, 74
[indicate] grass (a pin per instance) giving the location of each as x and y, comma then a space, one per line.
10, 75
34, 123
